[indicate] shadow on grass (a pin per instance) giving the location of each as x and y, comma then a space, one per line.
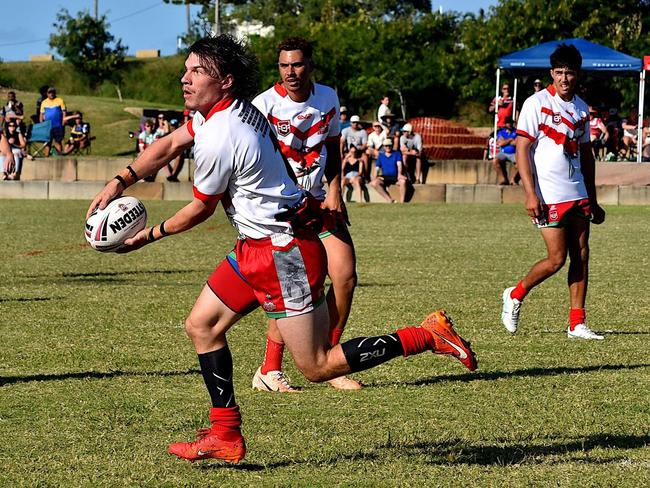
456, 451
518, 373
355, 456
100, 274
8, 380
32, 299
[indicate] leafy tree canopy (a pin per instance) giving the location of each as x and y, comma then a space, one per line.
86, 43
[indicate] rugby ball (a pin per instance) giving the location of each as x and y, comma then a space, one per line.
107, 229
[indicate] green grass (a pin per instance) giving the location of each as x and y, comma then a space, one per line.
98, 377
110, 124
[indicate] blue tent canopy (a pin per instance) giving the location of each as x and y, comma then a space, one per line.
594, 58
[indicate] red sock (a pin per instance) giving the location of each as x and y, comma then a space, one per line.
335, 335
226, 423
519, 292
576, 316
272, 356
415, 340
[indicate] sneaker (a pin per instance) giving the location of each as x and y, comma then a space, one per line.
510, 310
581, 331
344, 383
209, 446
273, 381
447, 341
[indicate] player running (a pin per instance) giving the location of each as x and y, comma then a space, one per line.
305, 118
557, 170
280, 264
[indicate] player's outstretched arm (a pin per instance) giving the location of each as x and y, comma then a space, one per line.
187, 217
150, 160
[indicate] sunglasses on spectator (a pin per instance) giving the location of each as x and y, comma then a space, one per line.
11, 125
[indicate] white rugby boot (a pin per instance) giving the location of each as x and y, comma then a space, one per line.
581, 331
510, 311
273, 381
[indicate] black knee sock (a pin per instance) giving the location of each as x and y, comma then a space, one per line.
216, 368
367, 352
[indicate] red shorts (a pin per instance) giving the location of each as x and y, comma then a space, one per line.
286, 273
556, 214
333, 223
231, 287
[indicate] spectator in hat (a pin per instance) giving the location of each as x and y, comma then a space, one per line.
383, 107
375, 140
53, 109
343, 117
506, 145
410, 145
392, 128
354, 137
388, 171
537, 85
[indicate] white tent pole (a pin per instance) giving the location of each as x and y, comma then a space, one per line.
514, 101
496, 113
639, 136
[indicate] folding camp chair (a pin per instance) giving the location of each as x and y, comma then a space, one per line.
38, 138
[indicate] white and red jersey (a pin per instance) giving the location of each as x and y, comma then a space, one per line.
238, 161
302, 129
557, 128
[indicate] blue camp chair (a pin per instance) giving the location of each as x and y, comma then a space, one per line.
38, 138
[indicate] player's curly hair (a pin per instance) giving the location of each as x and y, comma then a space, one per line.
297, 44
566, 55
225, 55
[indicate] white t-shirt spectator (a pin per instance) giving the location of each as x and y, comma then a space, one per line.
413, 142
356, 138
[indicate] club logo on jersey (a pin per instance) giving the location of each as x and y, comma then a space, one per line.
305, 116
557, 118
284, 127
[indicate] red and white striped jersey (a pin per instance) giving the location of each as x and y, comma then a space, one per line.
238, 162
302, 129
557, 128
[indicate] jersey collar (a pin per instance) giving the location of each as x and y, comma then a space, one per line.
282, 91
222, 104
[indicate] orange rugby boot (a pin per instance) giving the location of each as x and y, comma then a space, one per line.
209, 446
447, 341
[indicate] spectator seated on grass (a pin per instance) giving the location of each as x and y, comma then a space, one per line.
388, 171
79, 134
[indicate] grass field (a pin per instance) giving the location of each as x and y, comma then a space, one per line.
97, 376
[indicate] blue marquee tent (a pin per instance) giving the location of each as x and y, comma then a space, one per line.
595, 58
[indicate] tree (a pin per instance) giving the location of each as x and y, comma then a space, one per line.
86, 43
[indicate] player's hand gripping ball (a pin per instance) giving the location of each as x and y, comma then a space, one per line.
107, 229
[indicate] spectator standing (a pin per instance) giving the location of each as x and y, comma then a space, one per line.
410, 144
503, 105
506, 144
17, 145
36, 118
383, 107
53, 109
344, 123
388, 171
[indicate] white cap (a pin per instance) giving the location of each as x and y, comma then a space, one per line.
355, 118
407, 128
